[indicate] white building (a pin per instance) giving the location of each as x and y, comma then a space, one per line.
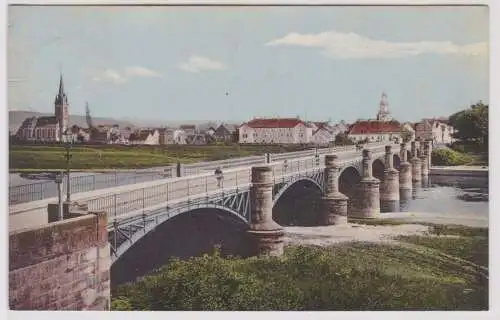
175, 137
375, 131
145, 137
322, 137
438, 130
275, 131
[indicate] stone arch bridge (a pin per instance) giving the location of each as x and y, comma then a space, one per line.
351, 183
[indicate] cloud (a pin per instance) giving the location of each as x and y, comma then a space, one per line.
339, 45
200, 63
124, 75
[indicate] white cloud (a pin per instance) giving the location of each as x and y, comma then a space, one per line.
122, 76
339, 45
200, 63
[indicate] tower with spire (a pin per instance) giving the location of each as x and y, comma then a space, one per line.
383, 112
61, 107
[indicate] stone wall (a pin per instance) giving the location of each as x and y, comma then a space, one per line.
63, 265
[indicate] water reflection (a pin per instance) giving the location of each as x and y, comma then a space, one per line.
389, 205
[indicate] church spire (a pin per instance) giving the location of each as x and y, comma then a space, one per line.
61, 86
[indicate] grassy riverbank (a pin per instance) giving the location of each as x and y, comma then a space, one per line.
128, 157
444, 270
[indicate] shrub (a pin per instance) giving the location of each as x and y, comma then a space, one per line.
447, 157
355, 276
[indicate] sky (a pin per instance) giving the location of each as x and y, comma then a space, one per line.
235, 63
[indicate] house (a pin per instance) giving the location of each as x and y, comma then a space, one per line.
196, 139
322, 137
210, 131
375, 131
225, 132
436, 129
175, 136
189, 129
145, 137
275, 131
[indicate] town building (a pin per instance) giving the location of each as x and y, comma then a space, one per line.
145, 137
436, 129
189, 129
382, 129
275, 131
51, 128
225, 132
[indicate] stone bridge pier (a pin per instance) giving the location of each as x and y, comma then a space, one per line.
367, 201
265, 236
334, 203
405, 176
389, 188
425, 158
415, 163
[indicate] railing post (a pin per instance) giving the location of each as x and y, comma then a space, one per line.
93, 181
114, 204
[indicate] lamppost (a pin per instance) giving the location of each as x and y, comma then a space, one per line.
316, 156
58, 181
68, 139
219, 176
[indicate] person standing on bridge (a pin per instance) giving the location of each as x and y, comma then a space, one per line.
218, 176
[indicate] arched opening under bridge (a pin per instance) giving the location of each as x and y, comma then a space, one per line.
396, 161
299, 204
348, 184
189, 234
378, 168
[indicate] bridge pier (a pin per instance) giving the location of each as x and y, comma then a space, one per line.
416, 166
265, 236
425, 159
367, 202
389, 188
405, 185
334, 202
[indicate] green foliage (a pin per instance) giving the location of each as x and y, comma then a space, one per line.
447, 157
474, 249
341, 139
406, 135
353, 276
472, 124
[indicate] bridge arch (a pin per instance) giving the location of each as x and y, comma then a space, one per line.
396, 161
133, 232
293, 183
348, 179
378, 168
298, 202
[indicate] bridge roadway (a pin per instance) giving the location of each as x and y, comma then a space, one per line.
45, 189
126, 201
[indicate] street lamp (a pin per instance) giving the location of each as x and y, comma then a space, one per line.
68, 144
58, 181
219, 176
316, 156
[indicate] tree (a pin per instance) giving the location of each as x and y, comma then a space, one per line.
406, 135
341, 139
471, 125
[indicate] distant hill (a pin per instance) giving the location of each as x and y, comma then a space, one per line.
16, 117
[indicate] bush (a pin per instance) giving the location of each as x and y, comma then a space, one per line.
447, 157
355, 276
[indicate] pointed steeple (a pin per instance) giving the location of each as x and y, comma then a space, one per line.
61, 86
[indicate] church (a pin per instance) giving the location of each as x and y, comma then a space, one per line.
384, 128
50, 128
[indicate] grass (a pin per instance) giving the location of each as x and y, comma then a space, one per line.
29, 157
416, 273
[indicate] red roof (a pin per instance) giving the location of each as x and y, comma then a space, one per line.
374, 126
275, 123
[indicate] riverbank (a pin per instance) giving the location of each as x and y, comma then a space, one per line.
460, 171
419, 267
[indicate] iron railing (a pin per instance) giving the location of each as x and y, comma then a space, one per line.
47, 189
